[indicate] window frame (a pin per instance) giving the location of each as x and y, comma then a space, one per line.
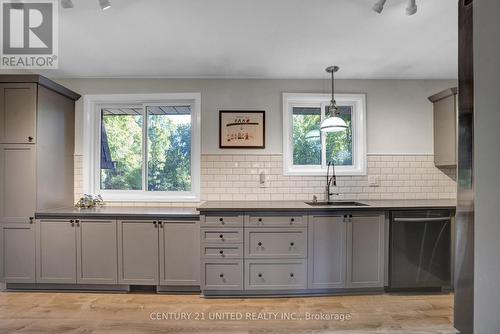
92, 105
358, 119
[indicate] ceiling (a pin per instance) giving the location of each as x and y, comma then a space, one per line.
257, 39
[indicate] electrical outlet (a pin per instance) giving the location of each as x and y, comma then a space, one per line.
373, 180
262, 179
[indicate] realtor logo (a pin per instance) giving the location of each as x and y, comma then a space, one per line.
29, 34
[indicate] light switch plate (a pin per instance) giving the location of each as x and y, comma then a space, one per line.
373, 180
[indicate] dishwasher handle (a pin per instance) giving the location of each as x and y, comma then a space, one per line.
421, 220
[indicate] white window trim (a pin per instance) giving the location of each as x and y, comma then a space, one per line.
91, 146
358, 101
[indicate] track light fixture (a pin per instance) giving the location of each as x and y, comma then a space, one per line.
67, 4
105, 4
379, 6
411, 8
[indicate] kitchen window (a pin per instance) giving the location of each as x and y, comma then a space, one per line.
307, 150
142, 147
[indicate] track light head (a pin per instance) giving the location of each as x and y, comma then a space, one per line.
105, 4
411, 8
67, 4
379, 6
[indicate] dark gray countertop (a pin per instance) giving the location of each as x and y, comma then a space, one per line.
212, 206
247, 206
121, 211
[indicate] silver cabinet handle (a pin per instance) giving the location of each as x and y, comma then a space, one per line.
421, 220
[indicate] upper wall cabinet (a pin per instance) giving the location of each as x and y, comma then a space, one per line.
445, 127
18, 113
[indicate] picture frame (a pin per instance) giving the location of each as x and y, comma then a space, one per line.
242, 129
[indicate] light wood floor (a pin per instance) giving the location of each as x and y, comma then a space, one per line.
43, 312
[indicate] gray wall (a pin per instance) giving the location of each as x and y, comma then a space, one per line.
487, 166
399, 116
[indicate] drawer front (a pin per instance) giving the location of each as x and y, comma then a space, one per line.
218, 251
222, 221
277, 221
222, 275
275, 243
275, 274
222, 236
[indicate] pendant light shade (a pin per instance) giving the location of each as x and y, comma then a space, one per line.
333, 123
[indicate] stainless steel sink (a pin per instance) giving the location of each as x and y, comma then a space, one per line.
336, 203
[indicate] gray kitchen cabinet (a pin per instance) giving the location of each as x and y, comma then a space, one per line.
138, 252
327, 252
18, 106
36, 146
275, 274
17, 254
17, 183
179, 252
365, 250
55, 251
96, 251
445, 127
222, 275
275, 242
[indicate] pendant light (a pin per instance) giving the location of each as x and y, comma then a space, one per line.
333, 123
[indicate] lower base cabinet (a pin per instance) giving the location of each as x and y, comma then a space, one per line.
138, 252
96, 244
17, 253
222, 275
73, 251
327, 252
56, 251
180, 253
154, 252
365, 251
276, 274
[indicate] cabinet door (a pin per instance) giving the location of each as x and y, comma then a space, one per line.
327, 248
138, 252
17, 183
17, 253
445, 132
365, 251
18, 113
180, 253
56, 251
97, 252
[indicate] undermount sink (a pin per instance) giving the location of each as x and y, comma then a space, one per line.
336, 203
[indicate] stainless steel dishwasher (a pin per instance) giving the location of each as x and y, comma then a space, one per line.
420, 250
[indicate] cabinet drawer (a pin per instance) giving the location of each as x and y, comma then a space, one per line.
275, 274
277, 221
218, 251
221, 236
222, 221
222, 275
275, 243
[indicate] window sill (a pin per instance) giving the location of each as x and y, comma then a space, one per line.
144, 198
322, 172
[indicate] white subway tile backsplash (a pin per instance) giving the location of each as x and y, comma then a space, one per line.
236, 177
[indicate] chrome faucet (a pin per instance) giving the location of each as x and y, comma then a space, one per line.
330, 180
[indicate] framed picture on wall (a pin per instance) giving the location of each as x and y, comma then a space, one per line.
242, 129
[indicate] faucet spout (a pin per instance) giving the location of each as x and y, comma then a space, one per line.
330, 180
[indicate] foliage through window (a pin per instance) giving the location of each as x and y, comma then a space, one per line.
146, 148
307, 150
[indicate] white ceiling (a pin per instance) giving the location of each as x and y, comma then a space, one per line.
257, 39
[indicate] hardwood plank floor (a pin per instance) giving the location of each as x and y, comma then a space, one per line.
96, 313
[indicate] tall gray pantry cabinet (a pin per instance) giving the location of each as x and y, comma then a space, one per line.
36, 164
